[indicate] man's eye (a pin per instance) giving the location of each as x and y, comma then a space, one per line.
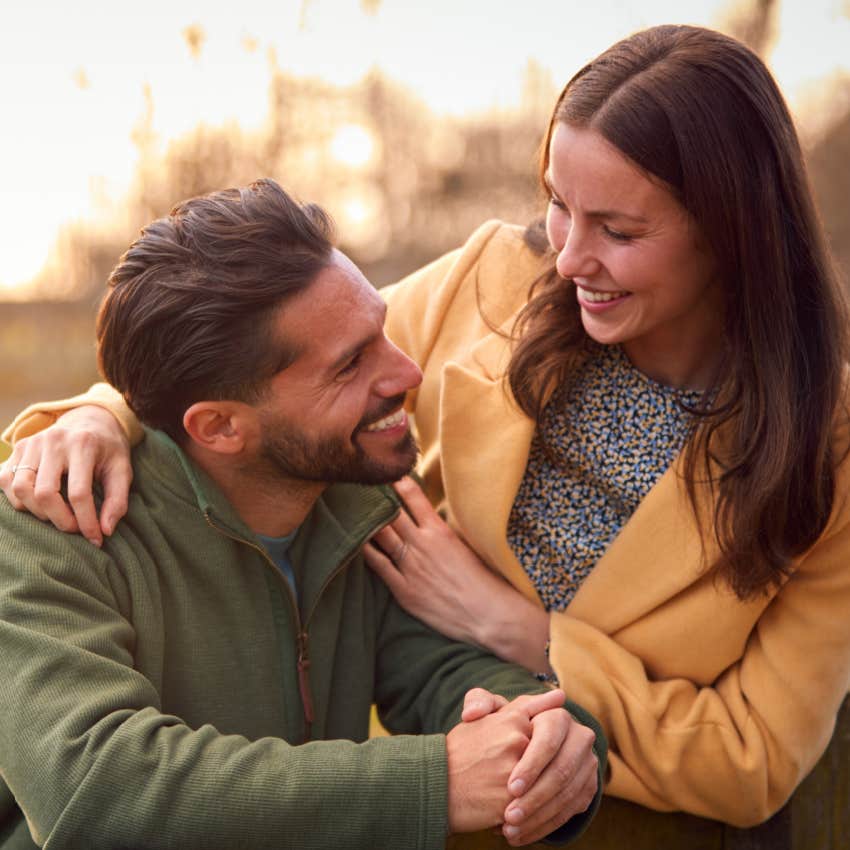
350, 367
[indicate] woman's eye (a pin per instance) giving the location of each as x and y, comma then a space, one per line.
556, 202
617, 235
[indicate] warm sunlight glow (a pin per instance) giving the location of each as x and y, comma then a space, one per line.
361, 216
73, 83
355, 212
352, 145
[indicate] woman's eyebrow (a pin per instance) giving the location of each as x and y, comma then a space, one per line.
638, 219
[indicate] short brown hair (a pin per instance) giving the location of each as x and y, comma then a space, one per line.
189, 305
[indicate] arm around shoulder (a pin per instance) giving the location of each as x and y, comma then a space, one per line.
42, 415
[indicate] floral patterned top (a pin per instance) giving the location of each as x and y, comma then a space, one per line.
613, 432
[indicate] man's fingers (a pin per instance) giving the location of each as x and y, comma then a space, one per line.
525, 825
479, 702
536, 777
533, 704
549, 731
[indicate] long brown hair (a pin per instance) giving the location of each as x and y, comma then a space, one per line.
699, 111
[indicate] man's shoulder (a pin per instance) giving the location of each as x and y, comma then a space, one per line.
358, 509
34, 554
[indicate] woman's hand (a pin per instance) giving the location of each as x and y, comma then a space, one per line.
436, 577
88, 444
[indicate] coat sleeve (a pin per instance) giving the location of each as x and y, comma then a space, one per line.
422, 677
94, 762
735, 749
43, 414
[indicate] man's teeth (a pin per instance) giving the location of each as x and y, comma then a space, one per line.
388, 421
596, 297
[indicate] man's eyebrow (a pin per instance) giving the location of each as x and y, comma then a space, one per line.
638, 219
355, 348
349, 353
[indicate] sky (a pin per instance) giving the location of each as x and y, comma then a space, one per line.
73, 76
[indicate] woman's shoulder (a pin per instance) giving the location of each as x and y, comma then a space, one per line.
495, 260
499, 255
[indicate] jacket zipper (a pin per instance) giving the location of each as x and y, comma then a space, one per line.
303, 658
303, 665
302, 640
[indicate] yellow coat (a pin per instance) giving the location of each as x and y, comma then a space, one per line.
712, 705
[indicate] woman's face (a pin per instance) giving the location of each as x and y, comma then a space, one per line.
642, 278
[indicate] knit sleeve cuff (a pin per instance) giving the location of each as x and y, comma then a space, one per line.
41, 415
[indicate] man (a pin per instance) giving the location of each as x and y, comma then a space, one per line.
201, 679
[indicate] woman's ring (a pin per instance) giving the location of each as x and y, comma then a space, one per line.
18, 466
399, 555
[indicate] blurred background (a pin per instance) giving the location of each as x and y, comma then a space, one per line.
411, 123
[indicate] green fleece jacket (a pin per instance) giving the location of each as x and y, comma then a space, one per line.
167, 692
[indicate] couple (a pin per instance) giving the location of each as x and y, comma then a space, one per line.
636, 412
201, 679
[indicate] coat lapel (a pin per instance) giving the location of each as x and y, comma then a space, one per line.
482, 430
655, 557
657, 554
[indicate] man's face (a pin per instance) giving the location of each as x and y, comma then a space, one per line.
336, 413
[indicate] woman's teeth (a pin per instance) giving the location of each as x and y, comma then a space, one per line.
597, 297
388, 421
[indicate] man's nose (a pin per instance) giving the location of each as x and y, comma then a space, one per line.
402, 374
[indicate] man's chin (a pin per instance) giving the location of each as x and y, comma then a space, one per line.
375, 471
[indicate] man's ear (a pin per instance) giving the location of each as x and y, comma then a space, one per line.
223, 427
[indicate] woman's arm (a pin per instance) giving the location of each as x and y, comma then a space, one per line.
735, 748
88, 438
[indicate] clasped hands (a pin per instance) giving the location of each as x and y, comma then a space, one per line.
524, 766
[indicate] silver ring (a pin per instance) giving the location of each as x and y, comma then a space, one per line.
18, 466
399, 555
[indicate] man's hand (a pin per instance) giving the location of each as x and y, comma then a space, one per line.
555, 778
88, 444
482, 756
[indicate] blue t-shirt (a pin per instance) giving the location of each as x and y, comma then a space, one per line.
278, 549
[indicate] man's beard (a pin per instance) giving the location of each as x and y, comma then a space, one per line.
292, 454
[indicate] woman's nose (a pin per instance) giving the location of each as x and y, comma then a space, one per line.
576, 257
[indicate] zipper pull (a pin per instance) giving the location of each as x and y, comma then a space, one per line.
304, 683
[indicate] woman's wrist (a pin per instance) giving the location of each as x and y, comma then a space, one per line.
515, 629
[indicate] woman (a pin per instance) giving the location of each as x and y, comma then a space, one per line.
638, 418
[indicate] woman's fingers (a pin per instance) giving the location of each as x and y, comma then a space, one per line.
46, 500
421, 510
377, 560
117, 478
390, 543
